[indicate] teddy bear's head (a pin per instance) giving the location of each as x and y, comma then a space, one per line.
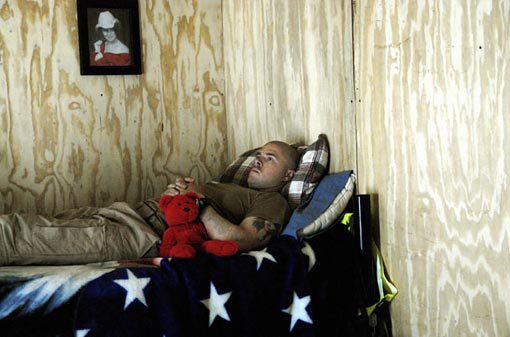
180, 209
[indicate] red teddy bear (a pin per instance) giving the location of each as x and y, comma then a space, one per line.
185, 234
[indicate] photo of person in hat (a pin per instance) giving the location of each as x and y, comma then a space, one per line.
109, 50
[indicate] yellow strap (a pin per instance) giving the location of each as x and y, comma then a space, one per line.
346, 220
387, 290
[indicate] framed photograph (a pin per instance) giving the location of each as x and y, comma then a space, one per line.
109, 37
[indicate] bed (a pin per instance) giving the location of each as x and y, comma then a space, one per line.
316, 279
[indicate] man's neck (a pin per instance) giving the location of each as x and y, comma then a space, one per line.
271, 189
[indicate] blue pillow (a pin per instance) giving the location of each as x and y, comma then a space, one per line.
328, 202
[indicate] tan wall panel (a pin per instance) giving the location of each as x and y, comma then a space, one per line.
431, 80
288, 71
68, 140
432, 129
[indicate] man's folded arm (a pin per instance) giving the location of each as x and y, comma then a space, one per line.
251, 233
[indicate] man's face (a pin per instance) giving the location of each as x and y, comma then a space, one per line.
270, 168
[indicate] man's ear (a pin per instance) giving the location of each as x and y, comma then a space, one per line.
289, 175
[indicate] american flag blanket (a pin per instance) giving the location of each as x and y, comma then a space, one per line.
290, 288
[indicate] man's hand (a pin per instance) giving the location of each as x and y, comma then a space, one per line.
184, 185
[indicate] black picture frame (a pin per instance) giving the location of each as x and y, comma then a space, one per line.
124, 16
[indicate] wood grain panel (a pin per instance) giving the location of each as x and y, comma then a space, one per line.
69, 140
428, 135
288, 71
432, 124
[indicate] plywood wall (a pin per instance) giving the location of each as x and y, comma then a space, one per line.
434, 91
68, 140
415, 102
288, 72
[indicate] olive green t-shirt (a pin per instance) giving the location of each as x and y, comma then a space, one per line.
235, 203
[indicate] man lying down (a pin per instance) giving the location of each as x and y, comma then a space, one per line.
250, 216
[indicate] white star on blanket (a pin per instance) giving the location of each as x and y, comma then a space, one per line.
134, 287
220, 294
297, 310
216, 304
82, 332
260, 255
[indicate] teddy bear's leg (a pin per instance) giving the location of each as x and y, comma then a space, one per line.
164, 251
182, 250
220, 248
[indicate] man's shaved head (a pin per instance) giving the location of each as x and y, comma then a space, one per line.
290, 154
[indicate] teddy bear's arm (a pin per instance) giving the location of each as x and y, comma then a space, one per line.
168, 242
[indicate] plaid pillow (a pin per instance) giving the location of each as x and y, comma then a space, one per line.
237, 172
313, 165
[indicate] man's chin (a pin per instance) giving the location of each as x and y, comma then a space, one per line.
252, 176
252, 183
